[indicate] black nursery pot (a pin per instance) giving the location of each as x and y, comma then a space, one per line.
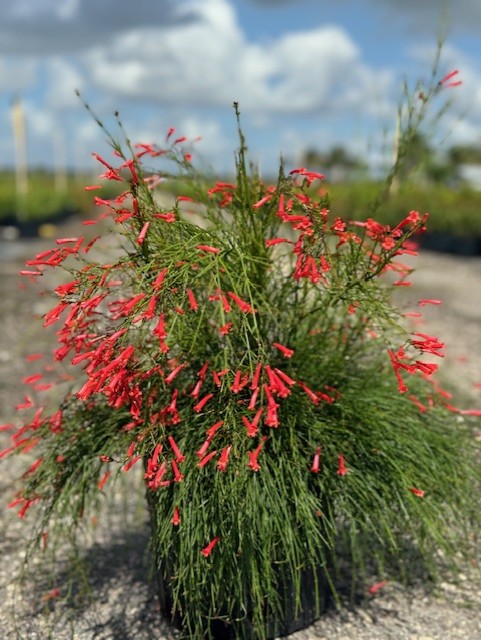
313, 602
311, 584
445, 242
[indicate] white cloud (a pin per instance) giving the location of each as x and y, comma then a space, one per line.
60, 26
16, 74
211, 63
417, 15
122, 55
435, 14
64, 78
40, 122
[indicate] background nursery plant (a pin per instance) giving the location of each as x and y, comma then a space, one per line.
251, 362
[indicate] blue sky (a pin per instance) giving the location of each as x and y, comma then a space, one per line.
307, 73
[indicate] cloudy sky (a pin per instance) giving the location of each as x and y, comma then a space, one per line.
307, 73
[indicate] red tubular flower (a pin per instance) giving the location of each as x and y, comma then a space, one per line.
417, 492
157, 481
176, 517
178, 477
203, 450
225, 303
287, 379
27, 403
250, 427
149, 313
32, 357
274, 241
160, 279
206, 459
253, 455
54, 314
239, 382
262, 201
309, 176
245, 307
276, 385
255, 379
470, 412
426, 368
214, 428
156, 453
444, 82
288, 353
161, 333
192, 301
411, 219
103, 480
253, 400
207, 248
271, 418
341, 469
310, 393
427, 344
417, 402
225, 329
33, 467
50, 595
224, 458
127, 466
143, 233
280, 207
203, 370
195, 392
26, 272
206, 551
131, 167
32, 379
175, 372
172, 408
316, 463
396, 365
178, 455
425, 301
217, 375
167, 217
201, 404
373, 589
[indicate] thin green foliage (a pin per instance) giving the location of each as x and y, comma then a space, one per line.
251, 360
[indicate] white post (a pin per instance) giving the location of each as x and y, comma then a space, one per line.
60, 177
396, 142
21, 165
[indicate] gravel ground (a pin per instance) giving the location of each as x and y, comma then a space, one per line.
122, 604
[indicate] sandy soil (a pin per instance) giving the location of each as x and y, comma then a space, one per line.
123, 604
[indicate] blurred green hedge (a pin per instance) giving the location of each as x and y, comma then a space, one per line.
456, 211
453, 211
44, 202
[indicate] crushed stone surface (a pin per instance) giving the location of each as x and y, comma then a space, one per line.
117, 599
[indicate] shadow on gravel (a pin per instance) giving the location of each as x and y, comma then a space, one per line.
105, 592
108, 592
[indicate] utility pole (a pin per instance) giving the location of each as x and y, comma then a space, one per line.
60, 176
21, 166
394, 188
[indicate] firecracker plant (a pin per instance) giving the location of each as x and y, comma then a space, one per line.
242, 348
